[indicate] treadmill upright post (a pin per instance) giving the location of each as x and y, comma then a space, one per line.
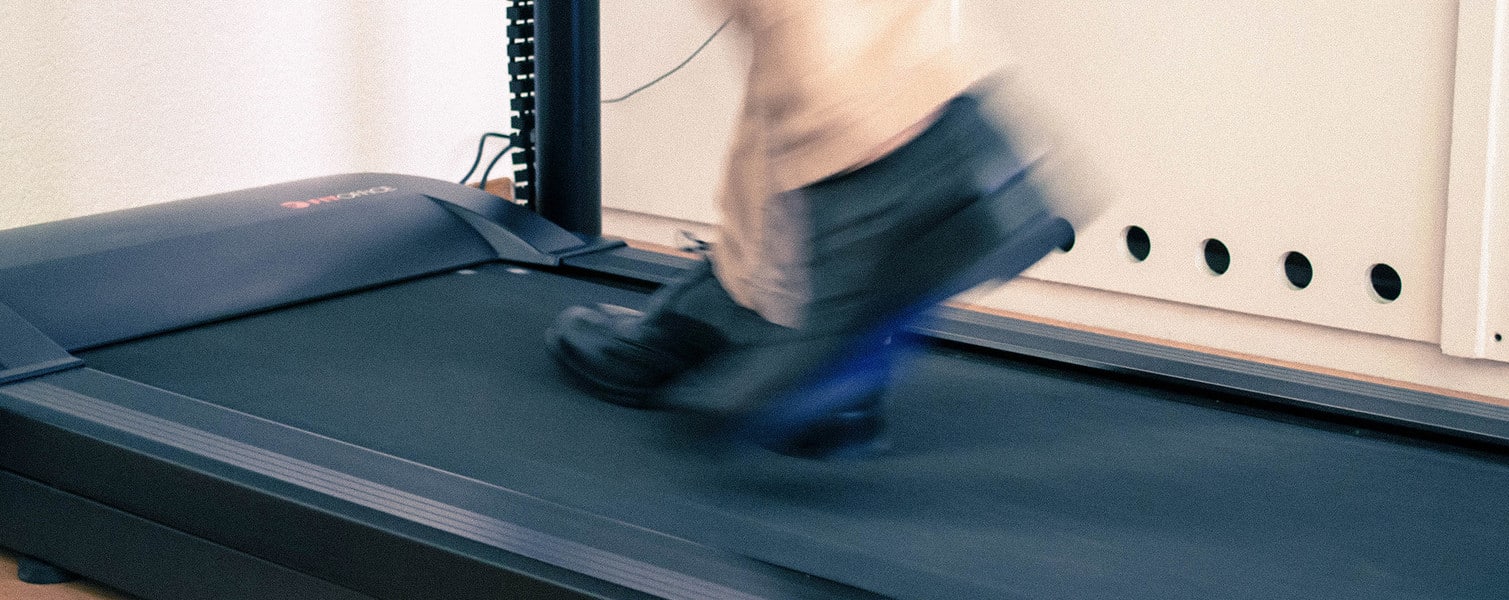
568, 186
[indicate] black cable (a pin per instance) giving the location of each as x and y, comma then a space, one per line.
672, 71
489, 169
481, 143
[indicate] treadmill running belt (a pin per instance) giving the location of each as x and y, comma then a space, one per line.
1008, 479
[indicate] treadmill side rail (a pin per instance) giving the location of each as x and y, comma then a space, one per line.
358, 519
1459, 420
99, 279
26, 352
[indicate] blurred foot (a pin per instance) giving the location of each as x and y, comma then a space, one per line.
625, 356
967, 201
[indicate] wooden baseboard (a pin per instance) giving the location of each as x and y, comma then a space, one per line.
12, 588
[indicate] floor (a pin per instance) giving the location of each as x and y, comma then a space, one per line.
13, 589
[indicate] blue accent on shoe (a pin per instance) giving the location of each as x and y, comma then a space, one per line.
837, 413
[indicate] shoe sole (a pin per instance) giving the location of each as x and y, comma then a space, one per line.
581, 375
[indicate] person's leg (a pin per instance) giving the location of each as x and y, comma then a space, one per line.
832, 85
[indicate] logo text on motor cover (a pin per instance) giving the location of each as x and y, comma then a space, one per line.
299, 204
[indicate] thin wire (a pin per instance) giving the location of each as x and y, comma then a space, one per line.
481, 143
489, 169
672, 71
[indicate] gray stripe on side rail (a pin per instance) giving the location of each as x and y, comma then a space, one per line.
594, 562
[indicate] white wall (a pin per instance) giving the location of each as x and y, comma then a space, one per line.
106, 105
663, 149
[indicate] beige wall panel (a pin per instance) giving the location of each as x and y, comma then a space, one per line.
1317, 127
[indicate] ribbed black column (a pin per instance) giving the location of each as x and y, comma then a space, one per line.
568, 125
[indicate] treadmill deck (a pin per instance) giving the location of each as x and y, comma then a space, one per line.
1008, 478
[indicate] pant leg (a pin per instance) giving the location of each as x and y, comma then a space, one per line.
830, 82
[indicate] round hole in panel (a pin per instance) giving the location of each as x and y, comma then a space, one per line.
1298, 271
1217, 256
1069, 243
1138, 243
1387, 286
1498, 337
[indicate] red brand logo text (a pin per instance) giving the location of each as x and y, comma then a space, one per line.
300, 204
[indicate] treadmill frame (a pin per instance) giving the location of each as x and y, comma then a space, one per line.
68, 505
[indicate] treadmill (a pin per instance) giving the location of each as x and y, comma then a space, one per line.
337, 389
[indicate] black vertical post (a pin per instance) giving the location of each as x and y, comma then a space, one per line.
568, 181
